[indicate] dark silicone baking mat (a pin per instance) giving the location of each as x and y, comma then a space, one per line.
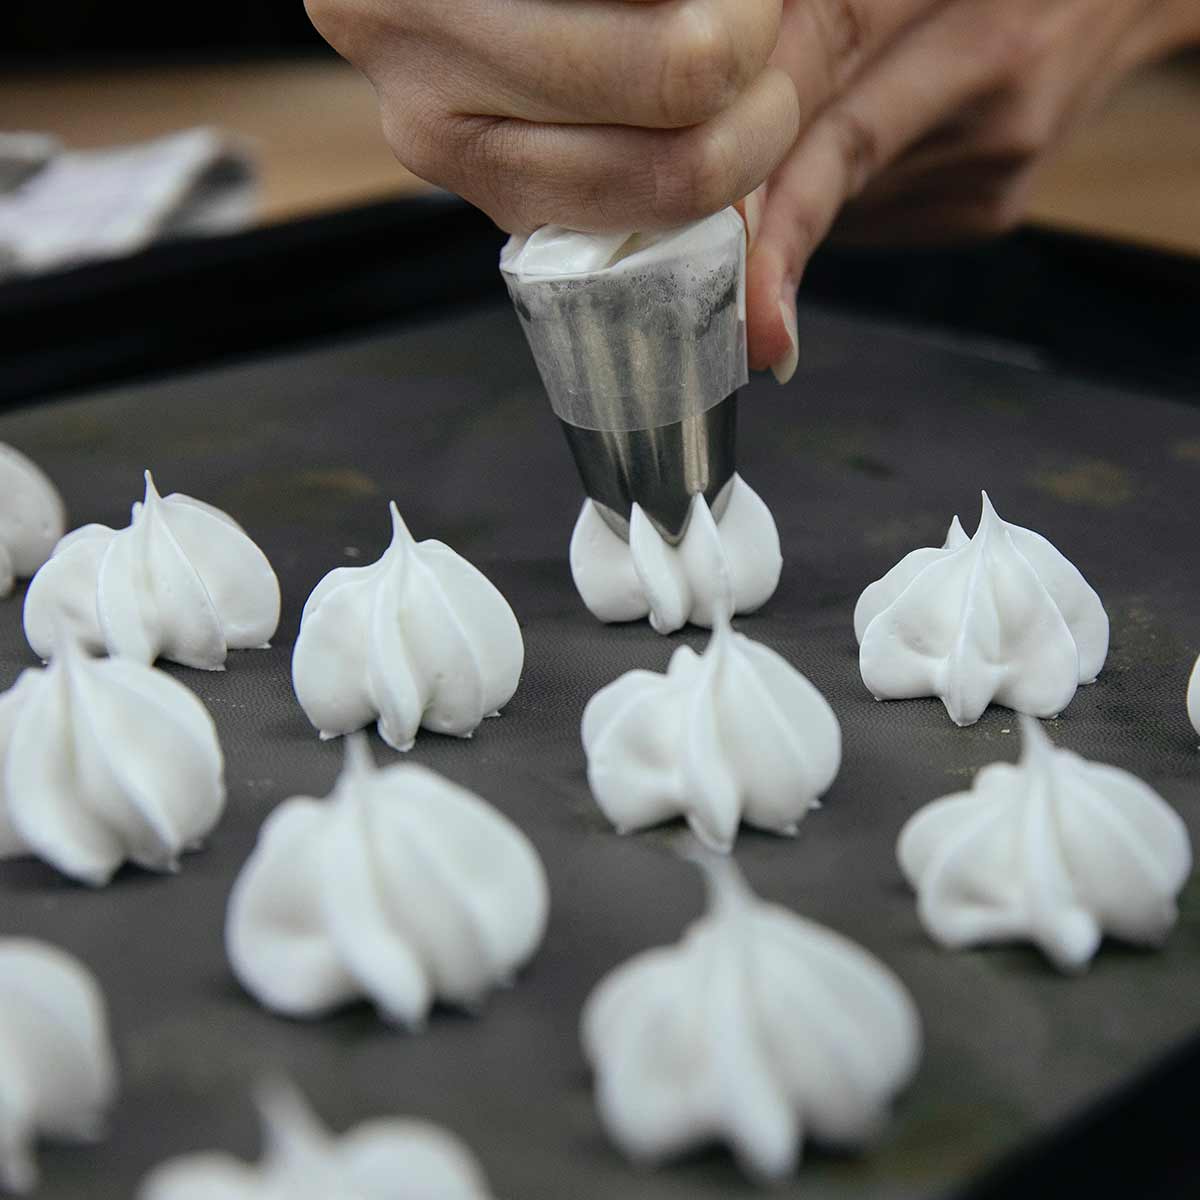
878, 441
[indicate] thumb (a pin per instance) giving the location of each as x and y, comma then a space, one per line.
926, 76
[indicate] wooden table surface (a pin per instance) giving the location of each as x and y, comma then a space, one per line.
1132, 172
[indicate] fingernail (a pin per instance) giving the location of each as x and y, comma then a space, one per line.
785, 368
753, 206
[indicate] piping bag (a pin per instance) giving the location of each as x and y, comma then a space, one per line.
640, 340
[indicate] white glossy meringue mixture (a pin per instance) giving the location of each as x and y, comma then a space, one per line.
402, 888
32, 517
1001, 617
418, 639
727, 566
183, 582
759, 1029
104, 761
58, 1074
1056, 850
386, 1159
735, 734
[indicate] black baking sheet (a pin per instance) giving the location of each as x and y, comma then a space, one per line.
878, 441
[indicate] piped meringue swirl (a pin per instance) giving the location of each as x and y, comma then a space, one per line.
386, 1159
58, 1075
402, 888
725, 566
419, 639
758, 1029
183, 581
1056, 850
735, 734
1001, 617
104, 761
32, 517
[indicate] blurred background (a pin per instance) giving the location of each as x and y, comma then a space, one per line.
96, 74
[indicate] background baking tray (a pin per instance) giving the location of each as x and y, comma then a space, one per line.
882, 436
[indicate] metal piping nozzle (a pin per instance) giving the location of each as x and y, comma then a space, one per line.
641, 344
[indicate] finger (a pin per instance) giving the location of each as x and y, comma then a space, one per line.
665, 64
824, 44
601, 178
750, 208
933, 70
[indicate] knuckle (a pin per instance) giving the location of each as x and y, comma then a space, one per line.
858, 147
844, 26
421, 140
1027, 133
699, 178
701, 66
1012, 43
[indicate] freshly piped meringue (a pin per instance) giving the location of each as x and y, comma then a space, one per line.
735, 734
418, 639
1002, 617
1056, 850
1193, 697
32, 517
389, 1159
58, 1075
104, 761
727, 566
402, 888
183, 581
758, 1029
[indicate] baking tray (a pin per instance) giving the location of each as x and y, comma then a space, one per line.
882, 436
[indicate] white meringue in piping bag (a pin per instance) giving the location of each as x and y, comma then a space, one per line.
1055, 850
735, 734
183, 581
419, 639
32, 517
104, 761
402, 888
731, 565
1001, 617
58, 1075
759, 1029
383, 1159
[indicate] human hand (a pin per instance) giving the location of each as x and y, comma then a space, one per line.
596, 114
926, 120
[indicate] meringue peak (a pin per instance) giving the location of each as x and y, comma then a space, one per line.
291, 1131
382, 1159
359, 763
401, 536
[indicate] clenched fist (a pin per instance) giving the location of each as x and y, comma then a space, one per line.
596, 114
895, 118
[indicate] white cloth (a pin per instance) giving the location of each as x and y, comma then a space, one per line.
61, 207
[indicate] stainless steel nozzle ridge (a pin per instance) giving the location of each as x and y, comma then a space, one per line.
642, 359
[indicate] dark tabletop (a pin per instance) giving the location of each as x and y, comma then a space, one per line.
878, 441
